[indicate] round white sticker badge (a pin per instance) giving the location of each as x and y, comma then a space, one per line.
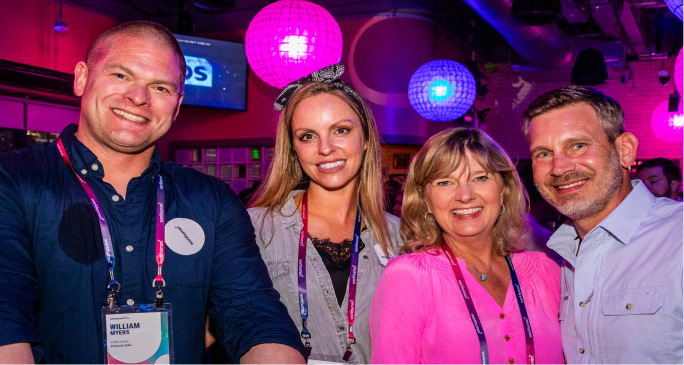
184, 236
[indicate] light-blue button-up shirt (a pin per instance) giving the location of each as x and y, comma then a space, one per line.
621, 296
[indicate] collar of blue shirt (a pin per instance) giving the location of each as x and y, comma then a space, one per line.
621, 223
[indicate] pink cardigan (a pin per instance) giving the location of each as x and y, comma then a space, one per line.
418, 314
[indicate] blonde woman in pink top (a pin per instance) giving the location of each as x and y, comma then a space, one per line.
466, 293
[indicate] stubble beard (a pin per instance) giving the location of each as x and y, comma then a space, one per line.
578, 205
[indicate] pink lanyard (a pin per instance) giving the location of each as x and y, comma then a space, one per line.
484, 354
301, 277
106, 236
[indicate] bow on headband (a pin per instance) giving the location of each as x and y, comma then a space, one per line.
327, 75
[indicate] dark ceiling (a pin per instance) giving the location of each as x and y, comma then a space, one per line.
646, 28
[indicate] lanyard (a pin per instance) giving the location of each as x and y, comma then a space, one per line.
484, 354
107, 238
301, 277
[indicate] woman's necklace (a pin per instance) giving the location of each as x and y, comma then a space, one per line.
483, 277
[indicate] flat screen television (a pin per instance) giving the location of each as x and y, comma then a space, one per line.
216, 73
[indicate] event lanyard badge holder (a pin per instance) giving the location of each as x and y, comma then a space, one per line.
484, 352
133, 334
301, 278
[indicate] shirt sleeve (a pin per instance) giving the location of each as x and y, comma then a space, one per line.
19, 294
242, 300
399, 311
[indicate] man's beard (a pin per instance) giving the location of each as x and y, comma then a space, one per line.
584, 204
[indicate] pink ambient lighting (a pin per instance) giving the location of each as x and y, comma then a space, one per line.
289, 39
678, 72
667, 126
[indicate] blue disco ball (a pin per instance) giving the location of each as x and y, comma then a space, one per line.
675, 7
442, 90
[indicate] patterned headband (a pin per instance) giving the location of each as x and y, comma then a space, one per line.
328, 75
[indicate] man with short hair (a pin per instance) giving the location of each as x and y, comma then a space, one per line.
80, 220
662, 177
621, 291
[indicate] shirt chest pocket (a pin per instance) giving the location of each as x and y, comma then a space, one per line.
279, 271
630, 311
641, 301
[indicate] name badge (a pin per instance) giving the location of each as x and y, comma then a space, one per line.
384, 259
138, 335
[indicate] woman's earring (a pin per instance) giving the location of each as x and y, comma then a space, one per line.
502, 210
431, 220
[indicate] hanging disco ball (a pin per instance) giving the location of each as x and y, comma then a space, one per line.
289, 39
678, 72
675, 7
666, 125
442, 90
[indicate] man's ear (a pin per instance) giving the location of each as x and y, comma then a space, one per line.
80, 78
180, 100
674, 188
626, 146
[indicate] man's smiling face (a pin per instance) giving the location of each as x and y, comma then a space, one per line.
131, 95
576, 168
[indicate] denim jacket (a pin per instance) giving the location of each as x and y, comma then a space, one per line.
327, 322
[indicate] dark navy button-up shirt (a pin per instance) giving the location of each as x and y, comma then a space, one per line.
53, 275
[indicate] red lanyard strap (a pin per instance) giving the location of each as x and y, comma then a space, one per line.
484, 354
301, 277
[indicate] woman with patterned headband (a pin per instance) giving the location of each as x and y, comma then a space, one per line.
457, 297
319, 215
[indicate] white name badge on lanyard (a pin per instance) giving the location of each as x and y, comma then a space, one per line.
138, 334
321, 362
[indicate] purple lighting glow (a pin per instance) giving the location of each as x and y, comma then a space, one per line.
289, 39
666, 125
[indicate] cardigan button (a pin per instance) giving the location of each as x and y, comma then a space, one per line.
511, 361
507, 338
581, 350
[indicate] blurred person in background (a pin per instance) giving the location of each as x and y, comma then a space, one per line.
662, 177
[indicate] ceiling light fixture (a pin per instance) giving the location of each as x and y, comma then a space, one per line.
442, 90
289, 39
590, 68
535, 12
60, 25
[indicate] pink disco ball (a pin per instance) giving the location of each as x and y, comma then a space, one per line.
666, 125
289, 39
678, 72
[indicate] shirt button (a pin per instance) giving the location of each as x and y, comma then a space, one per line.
502, 316
581, 350
630, 306
511, 361
129, 248
365, 257
84, 171
582, 304
130, 302
341, 328
94, 167
507, 338
115, 198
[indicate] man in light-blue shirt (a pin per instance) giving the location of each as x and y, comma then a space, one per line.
621, 291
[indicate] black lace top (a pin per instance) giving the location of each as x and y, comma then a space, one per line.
336, 257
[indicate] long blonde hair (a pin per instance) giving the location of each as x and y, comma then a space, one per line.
285, 174
443, 154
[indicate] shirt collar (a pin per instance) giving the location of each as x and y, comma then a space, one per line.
626, 218
82, 158
621, 223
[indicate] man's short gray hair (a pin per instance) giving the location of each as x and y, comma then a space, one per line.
608, 111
